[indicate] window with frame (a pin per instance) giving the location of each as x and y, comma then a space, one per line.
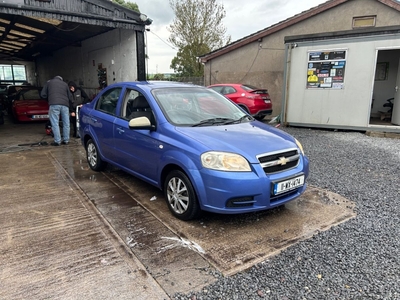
12, 74
229, 90
130, 95
367, 21
136, 105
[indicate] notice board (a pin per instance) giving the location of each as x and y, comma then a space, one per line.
326, 69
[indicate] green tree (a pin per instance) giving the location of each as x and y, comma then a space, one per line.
127, 4
158, 76
196, 30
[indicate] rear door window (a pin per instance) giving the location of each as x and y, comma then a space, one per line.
109, 100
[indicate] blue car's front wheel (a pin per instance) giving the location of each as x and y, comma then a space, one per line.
180, 196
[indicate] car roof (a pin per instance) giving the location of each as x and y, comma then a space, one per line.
225, 84
155, 84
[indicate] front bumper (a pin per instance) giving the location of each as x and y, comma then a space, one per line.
264, 112
241, 192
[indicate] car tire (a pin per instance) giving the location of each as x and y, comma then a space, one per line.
259, 118
93, 157
180, 196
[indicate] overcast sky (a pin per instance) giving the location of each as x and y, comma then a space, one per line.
243, 18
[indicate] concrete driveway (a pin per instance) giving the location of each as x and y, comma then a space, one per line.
69, 232
53, 242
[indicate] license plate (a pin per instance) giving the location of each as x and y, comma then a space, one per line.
288, 185
40, 116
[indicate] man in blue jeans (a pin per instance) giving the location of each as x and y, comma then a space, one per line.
60, 103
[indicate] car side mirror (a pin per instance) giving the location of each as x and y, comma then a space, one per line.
141, 123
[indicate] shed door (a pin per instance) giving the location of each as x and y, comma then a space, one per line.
396, 101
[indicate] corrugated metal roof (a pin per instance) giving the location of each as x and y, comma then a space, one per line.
32, 27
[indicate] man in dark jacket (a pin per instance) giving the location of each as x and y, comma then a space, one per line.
79, 97
60, 103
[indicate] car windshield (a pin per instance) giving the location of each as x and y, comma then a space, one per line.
28, 94
198, 107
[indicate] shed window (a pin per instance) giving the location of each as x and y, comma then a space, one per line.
364, 21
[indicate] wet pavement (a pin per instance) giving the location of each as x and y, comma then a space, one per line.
69, 232
54, 244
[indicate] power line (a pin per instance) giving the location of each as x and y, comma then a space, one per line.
172, 47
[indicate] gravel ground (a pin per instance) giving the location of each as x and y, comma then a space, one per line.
359, 259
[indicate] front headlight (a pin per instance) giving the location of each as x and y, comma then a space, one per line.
300, 146
224, 161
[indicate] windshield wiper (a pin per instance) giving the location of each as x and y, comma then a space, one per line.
240, 120
213, 121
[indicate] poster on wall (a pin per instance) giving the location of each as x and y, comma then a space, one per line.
326, 69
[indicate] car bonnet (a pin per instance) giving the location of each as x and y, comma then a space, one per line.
246, 139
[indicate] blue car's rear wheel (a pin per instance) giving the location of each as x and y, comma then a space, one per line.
180, 196
93, 157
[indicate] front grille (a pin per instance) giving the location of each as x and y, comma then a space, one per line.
279, 161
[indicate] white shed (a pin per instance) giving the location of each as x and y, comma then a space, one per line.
342, 80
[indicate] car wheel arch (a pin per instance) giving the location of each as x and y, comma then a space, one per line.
244, 107
86, 138
88, 134
170, 167
181, 195
167, 169
101, 161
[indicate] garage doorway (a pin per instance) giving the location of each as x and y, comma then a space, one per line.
384, 111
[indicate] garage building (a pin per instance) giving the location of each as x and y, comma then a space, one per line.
92, 42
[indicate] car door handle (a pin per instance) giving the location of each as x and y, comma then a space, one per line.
120, 130
93, 119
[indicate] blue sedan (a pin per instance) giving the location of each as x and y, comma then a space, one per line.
202, 150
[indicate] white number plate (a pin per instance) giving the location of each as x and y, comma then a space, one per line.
288, 185
40, 116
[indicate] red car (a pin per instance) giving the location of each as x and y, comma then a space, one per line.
27, 105
253, 100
